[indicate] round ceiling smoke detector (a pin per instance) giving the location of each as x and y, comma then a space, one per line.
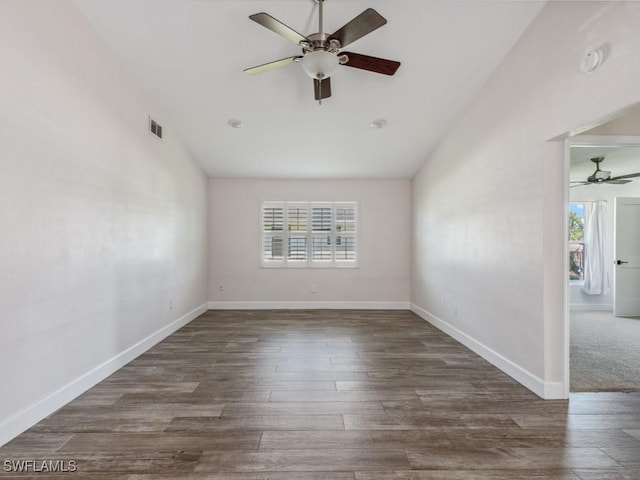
380, 123
591, 60
233, 123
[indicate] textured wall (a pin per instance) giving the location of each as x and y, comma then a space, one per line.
488, 205
383, 253
103, 226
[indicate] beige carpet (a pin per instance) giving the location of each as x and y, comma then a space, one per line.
605, 352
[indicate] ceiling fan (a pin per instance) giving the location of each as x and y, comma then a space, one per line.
321, 52
604, 176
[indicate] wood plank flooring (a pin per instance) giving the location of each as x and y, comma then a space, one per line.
327, 395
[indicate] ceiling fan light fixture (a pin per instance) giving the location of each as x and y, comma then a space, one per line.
602, 175
320, 64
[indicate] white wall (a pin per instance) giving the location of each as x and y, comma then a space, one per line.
102, 224
489, 205
382, 276
628, 124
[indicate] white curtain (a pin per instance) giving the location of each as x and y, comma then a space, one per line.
596, 277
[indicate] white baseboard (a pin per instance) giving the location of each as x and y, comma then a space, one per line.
20, 422
518, 373
309, 305
555, 391
585, 307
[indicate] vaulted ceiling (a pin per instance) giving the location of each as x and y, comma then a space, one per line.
188, 56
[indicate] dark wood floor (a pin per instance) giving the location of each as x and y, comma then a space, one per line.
328, 395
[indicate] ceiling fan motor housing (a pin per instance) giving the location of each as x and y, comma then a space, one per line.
320, 41
599, 175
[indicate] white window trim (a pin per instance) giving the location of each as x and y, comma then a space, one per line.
309, 235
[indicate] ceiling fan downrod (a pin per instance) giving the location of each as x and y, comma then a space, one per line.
320, 29
599, 175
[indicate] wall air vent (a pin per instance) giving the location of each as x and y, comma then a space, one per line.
155, 128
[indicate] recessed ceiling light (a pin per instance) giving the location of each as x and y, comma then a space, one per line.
380, 123
233, 123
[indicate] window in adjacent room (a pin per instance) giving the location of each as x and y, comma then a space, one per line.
309, 234
576, 242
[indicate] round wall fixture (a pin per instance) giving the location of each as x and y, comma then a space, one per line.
591, 60
380, 123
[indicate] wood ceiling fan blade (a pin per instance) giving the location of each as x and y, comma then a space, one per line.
372, 64
358, 27
271, 65
630, 175
278, 27
322, 88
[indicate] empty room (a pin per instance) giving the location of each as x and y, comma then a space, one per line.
317, 239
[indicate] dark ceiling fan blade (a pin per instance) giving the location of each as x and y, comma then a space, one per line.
617, 182
271, 65
363, 24
322, 88
630, 175
372, 64
278, 27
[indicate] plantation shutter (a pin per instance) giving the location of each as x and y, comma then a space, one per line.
272, 233
309, 234
297, 226
345, 233
322, 233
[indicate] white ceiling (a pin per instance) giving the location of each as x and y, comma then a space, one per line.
188, 57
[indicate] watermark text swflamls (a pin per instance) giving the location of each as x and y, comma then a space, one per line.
40, 466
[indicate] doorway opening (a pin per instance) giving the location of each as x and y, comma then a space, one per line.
602, 347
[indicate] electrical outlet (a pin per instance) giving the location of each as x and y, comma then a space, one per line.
221, 288
314, 288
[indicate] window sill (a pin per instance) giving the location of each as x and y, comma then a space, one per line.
310, 267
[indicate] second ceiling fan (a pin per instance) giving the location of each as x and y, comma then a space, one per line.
604, 176
321, 52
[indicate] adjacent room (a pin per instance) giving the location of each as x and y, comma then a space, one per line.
604, 328
312, 239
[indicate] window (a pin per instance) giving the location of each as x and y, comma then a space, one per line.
576, 242
309, 234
